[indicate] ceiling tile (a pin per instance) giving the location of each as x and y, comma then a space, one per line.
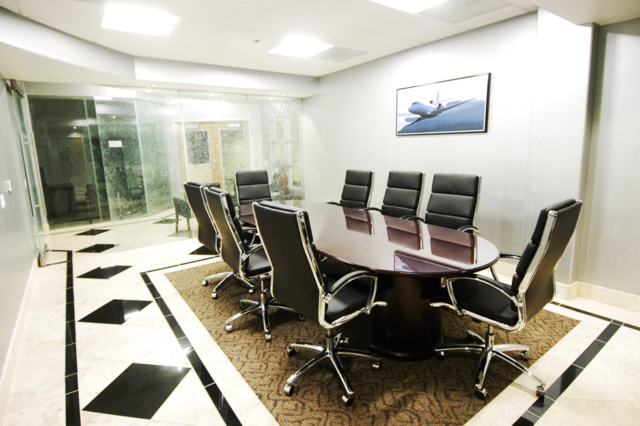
367, 57
334, 33
62, 10
527, 5
281, 23
378, 43
461, 10
421, 29
86, 32
339, 54
263, 3
247, 39
9, 4
493, 17
174, 7
225, 12
323, 10
133, 44
369, 16
191, 29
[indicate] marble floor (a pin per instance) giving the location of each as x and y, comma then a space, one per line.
108, 340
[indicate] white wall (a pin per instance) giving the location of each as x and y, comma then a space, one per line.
610, 251
538, 115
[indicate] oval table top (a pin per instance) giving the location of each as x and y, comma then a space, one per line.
388, 245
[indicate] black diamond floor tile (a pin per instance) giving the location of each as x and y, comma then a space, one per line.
116, 312
96, 248
203, 251
93, 232
105, 272
139, 391
164, 221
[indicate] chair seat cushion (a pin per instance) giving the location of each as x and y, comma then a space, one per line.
351, 298
257, 263
484, 300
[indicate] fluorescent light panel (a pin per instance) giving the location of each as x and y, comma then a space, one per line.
300, 46
409, 6
137, 19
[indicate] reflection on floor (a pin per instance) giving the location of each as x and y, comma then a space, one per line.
132, 352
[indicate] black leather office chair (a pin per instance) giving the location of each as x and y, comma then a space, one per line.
252, 186
402, 197
248, 262
207, 233
298, 282
509, 307
356, 193
453, 202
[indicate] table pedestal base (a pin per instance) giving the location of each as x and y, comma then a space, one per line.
407, 328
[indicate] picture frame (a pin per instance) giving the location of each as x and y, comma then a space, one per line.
459, 105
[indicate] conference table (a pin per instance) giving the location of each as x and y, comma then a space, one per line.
410, 258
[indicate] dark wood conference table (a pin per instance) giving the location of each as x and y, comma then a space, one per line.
410, 259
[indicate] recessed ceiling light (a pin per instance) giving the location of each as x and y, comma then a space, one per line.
300, 46
410, 6
137, 19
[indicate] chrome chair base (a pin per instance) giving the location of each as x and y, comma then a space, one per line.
259, 306
329, 351
488, 350
226, 279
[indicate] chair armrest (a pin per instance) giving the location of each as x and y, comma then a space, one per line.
252, 250
356, 275
469, 229
333, 202
510, 256
414, 218
368, 209
495, 284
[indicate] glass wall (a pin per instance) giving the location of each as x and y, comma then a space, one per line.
120, 155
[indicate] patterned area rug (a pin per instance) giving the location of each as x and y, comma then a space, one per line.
429, 392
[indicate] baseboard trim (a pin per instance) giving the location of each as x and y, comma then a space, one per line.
605, 295
12, 354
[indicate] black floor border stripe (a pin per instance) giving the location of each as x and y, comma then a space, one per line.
72, 398
218, 399
553, 392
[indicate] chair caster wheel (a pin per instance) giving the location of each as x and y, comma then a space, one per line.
376, 365
480, 393
440, 356
540, 391
525, 355
288, 389
301, 317
291, 352
228, 328
252, 290
267, 337
205, 283
214, 295
347, 400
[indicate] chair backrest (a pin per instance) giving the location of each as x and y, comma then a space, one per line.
252, 185
453, 201
402, 197
222, 210
207, 234
357, 189
534, 279
286, 236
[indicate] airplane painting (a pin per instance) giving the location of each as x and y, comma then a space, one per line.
421, 110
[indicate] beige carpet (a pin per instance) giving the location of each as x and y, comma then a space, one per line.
429, 392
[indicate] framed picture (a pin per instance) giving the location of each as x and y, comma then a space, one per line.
452, 106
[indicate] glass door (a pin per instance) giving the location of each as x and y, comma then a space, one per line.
31, 165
